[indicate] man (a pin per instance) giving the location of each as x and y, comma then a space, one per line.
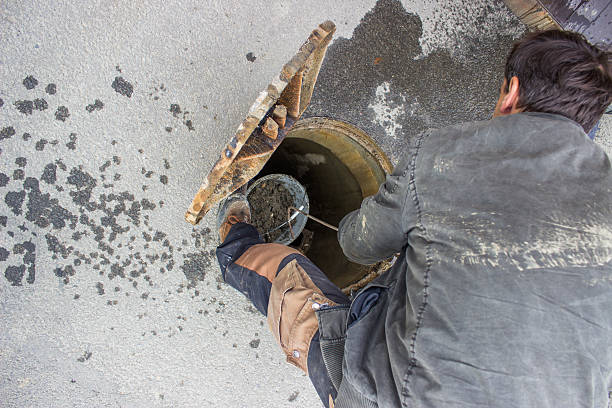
501, 295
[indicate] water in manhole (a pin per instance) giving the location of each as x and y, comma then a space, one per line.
339, 165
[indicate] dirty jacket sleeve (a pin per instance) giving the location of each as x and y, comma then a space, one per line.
380, 227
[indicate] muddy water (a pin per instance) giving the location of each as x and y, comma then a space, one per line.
269, 203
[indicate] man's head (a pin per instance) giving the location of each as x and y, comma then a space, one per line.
557, 72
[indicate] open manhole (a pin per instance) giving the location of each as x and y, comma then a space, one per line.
339, 165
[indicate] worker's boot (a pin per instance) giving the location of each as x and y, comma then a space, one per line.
232, 210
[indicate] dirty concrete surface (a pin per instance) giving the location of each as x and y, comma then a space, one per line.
111, 115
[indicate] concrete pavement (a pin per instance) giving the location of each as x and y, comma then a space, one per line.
112, 113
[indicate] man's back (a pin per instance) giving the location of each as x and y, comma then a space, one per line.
503, 290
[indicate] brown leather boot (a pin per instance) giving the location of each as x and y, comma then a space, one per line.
232, 210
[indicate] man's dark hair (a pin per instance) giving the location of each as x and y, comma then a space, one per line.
560, 72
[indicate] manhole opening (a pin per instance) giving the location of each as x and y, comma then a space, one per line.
339, 165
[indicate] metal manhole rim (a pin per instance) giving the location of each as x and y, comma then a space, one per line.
347, 129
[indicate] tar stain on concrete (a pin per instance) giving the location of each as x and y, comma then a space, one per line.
96, 106
51, 89
68, 208
4, 179
251, 57
110, 219
44, 211
14, 274
40, 144
14, 200
86, 356
28, 249
123, 87
72, 143
194, 266
62, 113
197, 262
254, 343
7, 132
58, 248
49, 175
384, 85
176, 111
18, 174
30, 82
40, 104
25, 107
84, 184
65, 273
158, 91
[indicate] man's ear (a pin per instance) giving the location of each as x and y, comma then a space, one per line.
509, 103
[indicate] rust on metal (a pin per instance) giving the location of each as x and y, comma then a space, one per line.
532, 14
290, 98
247, 152
279, 114
270, 128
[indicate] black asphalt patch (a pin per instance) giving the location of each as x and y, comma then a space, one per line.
30, 82
442, 89
123, 87
62, 113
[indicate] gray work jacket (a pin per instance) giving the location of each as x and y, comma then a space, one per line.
502, 293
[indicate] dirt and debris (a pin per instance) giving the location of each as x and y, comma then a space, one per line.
269, 202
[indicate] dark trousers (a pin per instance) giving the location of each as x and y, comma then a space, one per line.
287, 287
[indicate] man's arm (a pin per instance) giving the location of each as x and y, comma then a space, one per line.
380, 227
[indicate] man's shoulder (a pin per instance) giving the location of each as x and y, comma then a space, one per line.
530, 131
546, 140
537, 146
519, 125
